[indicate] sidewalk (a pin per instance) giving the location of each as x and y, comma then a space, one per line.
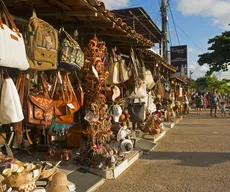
193, 156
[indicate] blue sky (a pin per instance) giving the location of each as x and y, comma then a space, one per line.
198, 19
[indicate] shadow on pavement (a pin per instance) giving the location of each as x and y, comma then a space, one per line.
198, 159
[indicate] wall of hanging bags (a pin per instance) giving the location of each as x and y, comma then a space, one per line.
39, 52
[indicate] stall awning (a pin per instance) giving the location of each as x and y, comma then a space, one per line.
160, 60
91, 16
139, 19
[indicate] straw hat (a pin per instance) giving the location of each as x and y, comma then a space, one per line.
116, 92
59, 183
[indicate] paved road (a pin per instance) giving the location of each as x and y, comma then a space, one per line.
193, 157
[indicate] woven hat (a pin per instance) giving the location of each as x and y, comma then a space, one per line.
126, 146
59, 183
116, 92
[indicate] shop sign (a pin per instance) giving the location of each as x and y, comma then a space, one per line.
179, 59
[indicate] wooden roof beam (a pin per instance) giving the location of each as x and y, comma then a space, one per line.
139, 21
58, 12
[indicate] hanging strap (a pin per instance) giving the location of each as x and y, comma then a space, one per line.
79, 82
8, 17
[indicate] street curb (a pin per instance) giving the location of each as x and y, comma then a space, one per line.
159, 137
97, 185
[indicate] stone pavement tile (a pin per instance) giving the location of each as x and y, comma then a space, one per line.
83, 179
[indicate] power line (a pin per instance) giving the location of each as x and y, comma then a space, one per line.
174, 24
190, 39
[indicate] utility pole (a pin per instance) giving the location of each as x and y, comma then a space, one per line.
164, 4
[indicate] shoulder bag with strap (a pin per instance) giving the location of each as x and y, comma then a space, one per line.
113, 68
71, 55
39, 104
41, 44
12, 47
67, 104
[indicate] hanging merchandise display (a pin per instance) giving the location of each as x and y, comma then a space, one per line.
149, 81
10, 107
12, 47
113, 69
139, 91
98, 126
39, 103
41, 44
65, 100
117, 68
152, 125
71, 55
141, 68
160, 88
123, 71
79, 91
137, 112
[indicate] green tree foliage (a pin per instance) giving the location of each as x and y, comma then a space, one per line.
218, 57
201, 84
209, 83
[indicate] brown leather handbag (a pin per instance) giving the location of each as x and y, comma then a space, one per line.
65, 100
39, 105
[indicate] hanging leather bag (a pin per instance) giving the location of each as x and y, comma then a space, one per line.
160, 88
67, 104
113, 69
141, 68
71, 55
12, 47
39, 105
41, 44
149, 81
123, 70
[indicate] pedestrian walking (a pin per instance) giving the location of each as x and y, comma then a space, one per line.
205, 101
186, 103
213, 100
222, 109
199, 103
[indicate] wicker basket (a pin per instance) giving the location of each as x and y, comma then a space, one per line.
24, 178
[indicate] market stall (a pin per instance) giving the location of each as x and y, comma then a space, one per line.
70, 86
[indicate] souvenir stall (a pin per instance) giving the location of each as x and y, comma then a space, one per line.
161, 91
61, 89
178, 91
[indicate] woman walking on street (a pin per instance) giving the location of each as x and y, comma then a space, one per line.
205, 101
199, 103
213, 100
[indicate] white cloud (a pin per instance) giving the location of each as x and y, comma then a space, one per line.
218, 10
112, 4
194, 51
197, 70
